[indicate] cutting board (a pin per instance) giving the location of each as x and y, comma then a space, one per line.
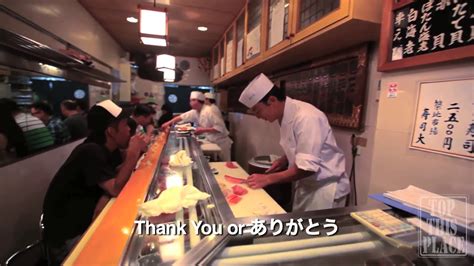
255, 202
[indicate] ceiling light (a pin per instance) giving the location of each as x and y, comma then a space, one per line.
165, 62
169, 75
153, 22
153, 41
132, 19
202, 28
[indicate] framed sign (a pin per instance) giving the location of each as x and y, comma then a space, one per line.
336, 85
444, 121
422, 32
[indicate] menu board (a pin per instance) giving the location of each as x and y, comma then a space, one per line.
423, 32
427, 26
444, 120
336, 86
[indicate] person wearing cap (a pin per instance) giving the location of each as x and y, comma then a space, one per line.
312, 159
211, 102
94, 171
209, 123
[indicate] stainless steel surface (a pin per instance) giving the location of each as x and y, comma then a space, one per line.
145, 249
33, 55
37, 27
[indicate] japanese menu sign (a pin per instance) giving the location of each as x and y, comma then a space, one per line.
444, 119
427, 26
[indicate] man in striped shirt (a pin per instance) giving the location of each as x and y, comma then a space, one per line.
44, 112
36, 134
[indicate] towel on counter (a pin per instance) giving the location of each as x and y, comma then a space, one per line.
172, 200
180, 159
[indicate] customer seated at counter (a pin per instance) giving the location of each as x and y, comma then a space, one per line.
12, 140
35, 133
43, 111
312, 159
75, 121
94, 172
142, 116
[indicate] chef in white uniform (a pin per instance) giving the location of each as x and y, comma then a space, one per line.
209, 123
312, 160
211, 102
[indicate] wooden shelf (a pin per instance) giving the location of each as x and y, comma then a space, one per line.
354, 22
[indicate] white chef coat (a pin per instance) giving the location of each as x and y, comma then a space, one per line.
215, 109
210, 119
309, 143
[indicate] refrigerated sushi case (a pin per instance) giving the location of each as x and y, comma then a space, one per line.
353, 243
144, 249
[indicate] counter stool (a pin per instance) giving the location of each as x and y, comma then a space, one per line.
15, 258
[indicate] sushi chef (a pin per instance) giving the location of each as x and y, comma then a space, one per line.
211, 102
312, 160
209, 123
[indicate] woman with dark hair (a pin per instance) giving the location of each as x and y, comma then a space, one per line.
12, 140
166, 114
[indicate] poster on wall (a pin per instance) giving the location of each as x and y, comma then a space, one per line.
444, 120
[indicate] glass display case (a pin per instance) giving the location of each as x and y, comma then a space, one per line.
311, 11
145, 249
240, 40
215, 62
229, 50
254, 22
344, 241
278, 11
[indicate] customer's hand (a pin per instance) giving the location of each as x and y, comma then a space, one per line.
137, 144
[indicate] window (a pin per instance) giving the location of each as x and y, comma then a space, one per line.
313, 10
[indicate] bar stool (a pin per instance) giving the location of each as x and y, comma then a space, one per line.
19, 253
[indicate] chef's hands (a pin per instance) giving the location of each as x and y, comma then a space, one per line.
278, 165
258, 181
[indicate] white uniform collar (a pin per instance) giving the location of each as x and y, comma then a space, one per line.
289, 111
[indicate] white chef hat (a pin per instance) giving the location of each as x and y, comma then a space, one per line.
209, 95
111, 107
256, 90
197, 95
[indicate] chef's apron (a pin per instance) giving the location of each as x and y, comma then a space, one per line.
224, 142
308, 193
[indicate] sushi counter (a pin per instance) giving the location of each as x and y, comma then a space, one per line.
178, 208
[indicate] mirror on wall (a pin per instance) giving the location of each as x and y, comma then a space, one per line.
39, 113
